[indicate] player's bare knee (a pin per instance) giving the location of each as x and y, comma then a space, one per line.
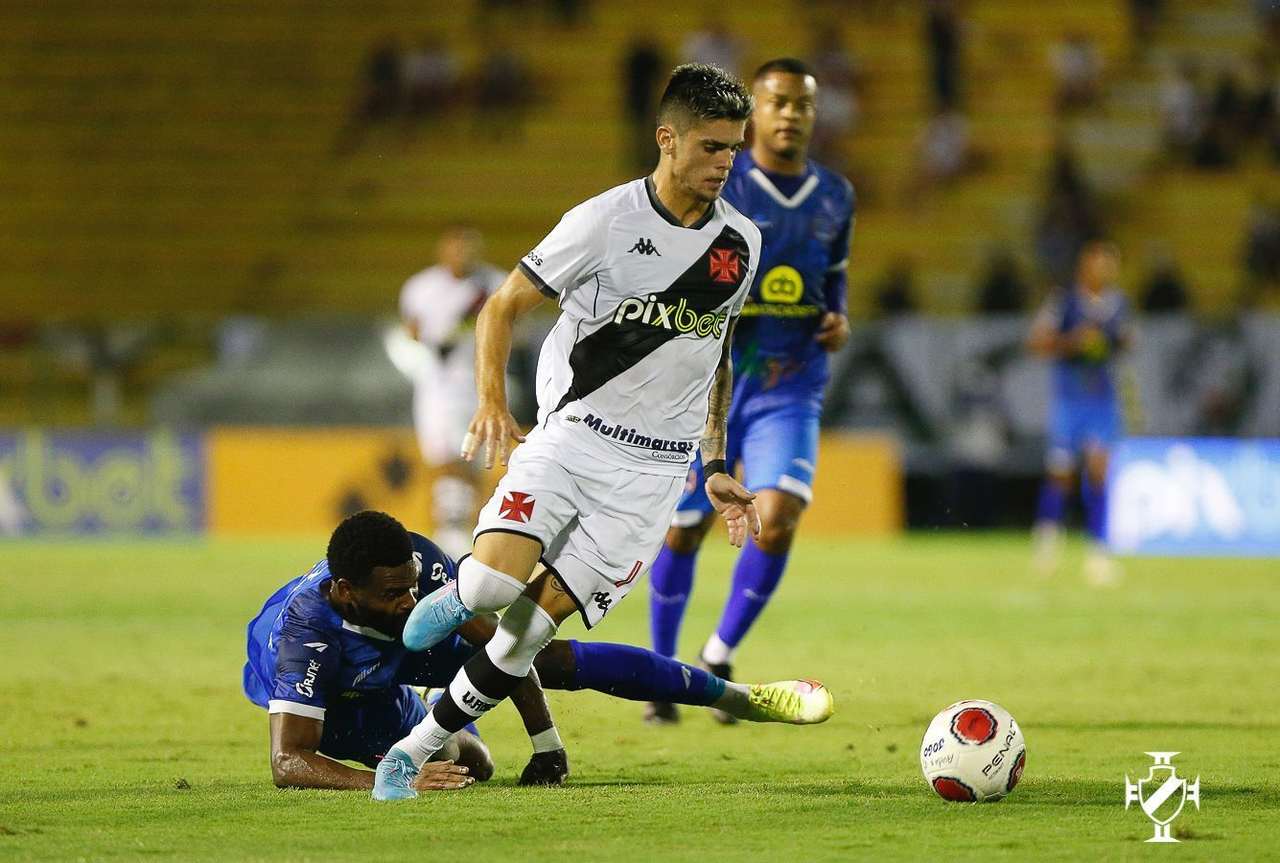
779, 519
683, 540
686, 539
1063, 480
776, 537
515, 555
1095, 466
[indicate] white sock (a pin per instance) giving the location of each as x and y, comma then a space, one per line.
524, 630
716, 652
426, 739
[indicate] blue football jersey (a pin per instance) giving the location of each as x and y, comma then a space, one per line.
1088, 378
807, 224
303, 657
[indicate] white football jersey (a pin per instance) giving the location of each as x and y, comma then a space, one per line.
645, 306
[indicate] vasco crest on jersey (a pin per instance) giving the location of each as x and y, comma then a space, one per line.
726, 267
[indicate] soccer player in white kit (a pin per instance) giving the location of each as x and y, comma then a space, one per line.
633, 379
438, 308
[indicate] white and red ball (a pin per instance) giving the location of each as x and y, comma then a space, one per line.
973, 752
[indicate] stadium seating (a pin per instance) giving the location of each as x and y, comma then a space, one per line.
179, 162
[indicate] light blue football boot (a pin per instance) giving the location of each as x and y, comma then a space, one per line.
434, 617
393, 780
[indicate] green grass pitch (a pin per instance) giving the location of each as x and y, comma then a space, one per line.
124, 735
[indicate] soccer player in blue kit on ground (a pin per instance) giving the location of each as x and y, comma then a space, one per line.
1081, 330
794, 317
326, 660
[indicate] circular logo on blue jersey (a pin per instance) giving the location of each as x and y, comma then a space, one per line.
782, 284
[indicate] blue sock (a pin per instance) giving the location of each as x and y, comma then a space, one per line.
670, 581
1094, 498
630, 672
1053, 503
754, 580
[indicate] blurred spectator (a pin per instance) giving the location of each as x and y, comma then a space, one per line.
643, 68
1272, 130
1077, 70
942, 32
839, 107
1260, 99
1165, 289
504, 91
944, 152
1002, 290
1262, 246
714, 44
1069, 218
1228, 103
568, 13
895, 292
1144, 19
381, 94
1268, 12
1219, 142
1182, 108
431, 79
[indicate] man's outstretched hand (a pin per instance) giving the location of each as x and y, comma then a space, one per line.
442, 776
493, 433
734, 502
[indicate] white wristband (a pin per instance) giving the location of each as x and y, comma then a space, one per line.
546, 741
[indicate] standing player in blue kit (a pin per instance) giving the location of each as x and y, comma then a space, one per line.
796, 314
1082, 330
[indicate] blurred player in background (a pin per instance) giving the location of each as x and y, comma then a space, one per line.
438, 307
1081, 331
795, 315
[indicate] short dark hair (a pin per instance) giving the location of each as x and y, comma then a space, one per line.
698, 91
785, 65
364, 541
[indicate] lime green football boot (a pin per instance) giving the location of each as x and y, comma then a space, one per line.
797, 702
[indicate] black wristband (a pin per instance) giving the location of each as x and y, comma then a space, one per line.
716, 465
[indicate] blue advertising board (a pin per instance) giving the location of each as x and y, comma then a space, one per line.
1195, 496
91, 482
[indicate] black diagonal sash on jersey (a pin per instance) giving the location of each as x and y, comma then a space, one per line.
617, 346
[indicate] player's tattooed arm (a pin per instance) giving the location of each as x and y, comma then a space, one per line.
727, 496
493, 432
716, 433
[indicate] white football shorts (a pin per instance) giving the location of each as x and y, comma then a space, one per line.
600, 526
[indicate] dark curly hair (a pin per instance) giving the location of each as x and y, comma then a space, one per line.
364, 541
698, 91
